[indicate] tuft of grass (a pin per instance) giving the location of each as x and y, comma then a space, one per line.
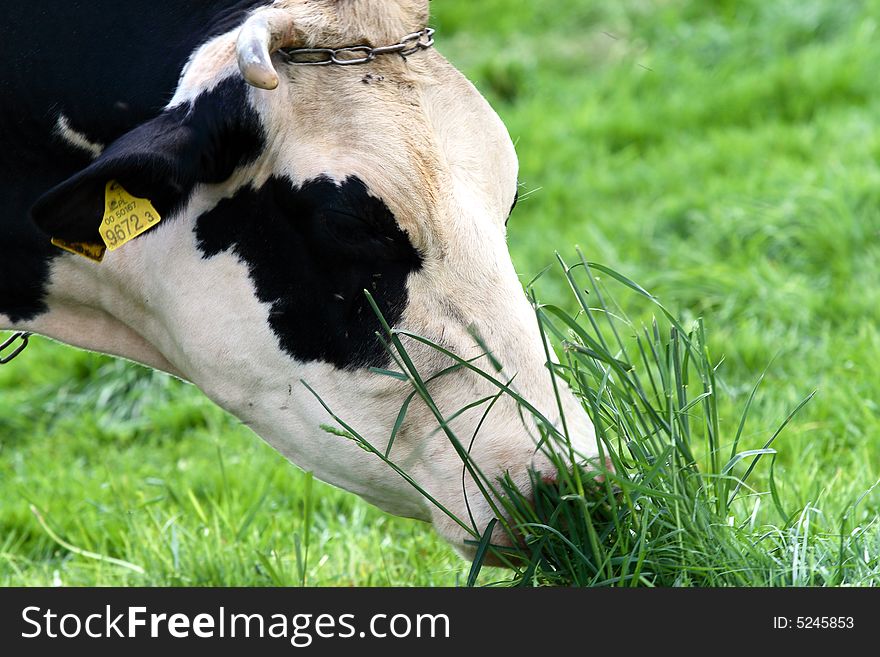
679, 506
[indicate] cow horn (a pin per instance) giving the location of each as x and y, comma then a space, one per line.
262, 34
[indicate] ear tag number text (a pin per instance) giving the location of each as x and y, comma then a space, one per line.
125, 216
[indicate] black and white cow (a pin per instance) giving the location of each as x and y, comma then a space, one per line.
284, 191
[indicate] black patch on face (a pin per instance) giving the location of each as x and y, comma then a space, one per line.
311, 251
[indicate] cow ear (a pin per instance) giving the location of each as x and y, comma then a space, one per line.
160, 160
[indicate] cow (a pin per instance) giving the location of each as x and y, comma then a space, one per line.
185, 187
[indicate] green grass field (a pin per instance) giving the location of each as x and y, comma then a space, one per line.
723, 154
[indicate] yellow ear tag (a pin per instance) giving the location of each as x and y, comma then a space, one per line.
125, 217
87, 250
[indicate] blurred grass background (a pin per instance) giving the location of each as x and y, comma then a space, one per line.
723, 154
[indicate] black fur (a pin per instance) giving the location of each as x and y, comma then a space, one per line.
311, 252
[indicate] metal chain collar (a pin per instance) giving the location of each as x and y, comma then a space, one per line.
23, 336
350, 55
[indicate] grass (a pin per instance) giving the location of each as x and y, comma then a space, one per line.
678, 507
724, 155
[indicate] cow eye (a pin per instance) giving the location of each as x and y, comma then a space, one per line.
515, 199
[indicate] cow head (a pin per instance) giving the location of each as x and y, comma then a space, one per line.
282, 201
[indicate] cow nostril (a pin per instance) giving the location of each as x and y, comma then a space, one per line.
609, 467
